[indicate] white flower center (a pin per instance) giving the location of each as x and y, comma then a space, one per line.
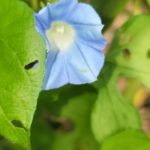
61, 35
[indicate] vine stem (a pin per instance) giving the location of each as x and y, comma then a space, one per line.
34, 4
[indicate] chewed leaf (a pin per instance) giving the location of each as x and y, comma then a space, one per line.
128, 57
131, 51
21, 77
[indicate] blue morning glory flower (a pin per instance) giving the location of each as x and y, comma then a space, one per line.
75, 44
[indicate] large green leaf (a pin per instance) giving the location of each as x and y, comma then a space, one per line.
127, 140
130, 51
20, 80
63, 120
112, 112
129, 57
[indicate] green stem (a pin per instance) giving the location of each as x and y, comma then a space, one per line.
34, 4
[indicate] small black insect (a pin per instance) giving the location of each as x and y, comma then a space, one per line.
31, 65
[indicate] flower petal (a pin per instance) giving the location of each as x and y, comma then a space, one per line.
44, 18
84, 14
55, 72
83, 60
61, 9
77, 67
80, 65
75, 13
93, 57
91, 35
54, 11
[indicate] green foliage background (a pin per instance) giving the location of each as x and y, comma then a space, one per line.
88, 117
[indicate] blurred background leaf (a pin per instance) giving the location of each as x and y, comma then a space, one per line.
127, 140
129, 53
112, 112
109, 9
130, 50
63, 119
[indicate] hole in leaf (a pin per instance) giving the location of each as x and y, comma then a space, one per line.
31, 65
55, 125
18, 124
126, 52
59, 123
148, 53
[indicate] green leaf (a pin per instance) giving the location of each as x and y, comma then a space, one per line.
67, 121
148, 2
112, 112
127, 140
145, 147
129, 57
130, 50
20, 82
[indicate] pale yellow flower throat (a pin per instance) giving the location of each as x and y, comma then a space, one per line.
60, 35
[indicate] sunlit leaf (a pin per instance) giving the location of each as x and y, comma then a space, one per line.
130, 51
21, 70
112, 112
127, 140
